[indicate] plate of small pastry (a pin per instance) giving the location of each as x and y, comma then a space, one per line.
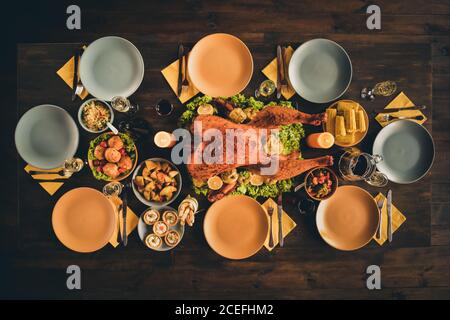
160, 229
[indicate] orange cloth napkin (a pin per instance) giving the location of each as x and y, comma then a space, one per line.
397, 219
401, 101
270, 71
286, 221
66, 73
132, 221
50, 186
171, 74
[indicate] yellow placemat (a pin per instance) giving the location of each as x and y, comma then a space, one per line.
171, 74
270, 71
397, 220
66, 73
50, 186
287, 223
132, 221
401, 101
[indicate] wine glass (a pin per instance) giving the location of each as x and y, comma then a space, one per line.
385, 89
73, 165
266, 89
112, 189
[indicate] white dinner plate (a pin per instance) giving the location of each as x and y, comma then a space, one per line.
111, 66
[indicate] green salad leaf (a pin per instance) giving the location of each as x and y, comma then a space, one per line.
266, 190
188, 115
290, 137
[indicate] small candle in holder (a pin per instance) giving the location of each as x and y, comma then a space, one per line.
164, 139
323, 140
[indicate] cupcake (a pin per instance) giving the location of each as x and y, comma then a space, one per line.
151, 216
172, 238
153, 241
170, 218
160, 228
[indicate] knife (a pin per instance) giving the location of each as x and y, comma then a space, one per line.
280, 225
391, 110
389, 213
75, 75
279, 71
180, 69
284, 82
124, 215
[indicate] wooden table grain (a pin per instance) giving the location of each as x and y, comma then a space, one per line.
413, 49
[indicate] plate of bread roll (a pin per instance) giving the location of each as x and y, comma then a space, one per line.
347, 121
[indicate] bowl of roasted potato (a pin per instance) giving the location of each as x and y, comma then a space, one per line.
156, 182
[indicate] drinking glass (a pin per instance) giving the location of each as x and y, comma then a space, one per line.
385, 89
112, 189
355, 165
73, 165
122, 104
266, 89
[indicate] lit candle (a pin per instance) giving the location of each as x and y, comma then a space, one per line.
164, 139
323, 140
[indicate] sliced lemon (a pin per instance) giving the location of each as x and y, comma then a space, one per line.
198, 183
205, 110
256, 180
215, 183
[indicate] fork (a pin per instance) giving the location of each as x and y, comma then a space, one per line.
388, 117
380, 205
270, 212
62, 173
185, 83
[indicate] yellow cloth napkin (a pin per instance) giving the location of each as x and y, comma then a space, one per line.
287, 223
397, 220
49, 186
401, 101
270, 71
132, 221
66, 73
171, 74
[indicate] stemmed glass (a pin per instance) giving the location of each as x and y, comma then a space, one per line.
72, 166
266, 89
385, 89
112, 189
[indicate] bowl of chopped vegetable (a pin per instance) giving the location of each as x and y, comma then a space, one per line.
321, 183
94, 114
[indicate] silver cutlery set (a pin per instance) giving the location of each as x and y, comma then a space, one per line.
380, 205
281, 70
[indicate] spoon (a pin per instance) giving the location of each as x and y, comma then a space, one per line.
112, 128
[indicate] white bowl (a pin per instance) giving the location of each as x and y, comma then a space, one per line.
80, 112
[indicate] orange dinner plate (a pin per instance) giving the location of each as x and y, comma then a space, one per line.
349, 219
220, 65
83, 220
236, 227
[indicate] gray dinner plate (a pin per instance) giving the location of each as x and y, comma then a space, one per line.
320, 70
46, 136
407, 149
111, 66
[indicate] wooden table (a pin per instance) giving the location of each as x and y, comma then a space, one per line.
413, 52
